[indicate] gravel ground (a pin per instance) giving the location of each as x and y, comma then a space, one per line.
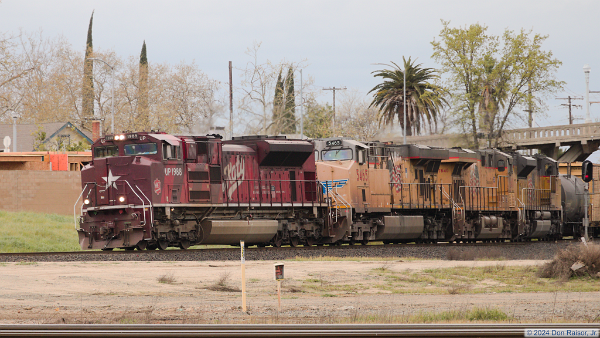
132, 292
507, 251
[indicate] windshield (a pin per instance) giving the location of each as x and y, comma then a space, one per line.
337, 154
108, 151
141, 149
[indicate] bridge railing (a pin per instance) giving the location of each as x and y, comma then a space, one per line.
565, 133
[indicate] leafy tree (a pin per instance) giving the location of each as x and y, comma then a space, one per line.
143, 122
491, 77
88, 77
317, 120
423, 98
39, 137
78, 146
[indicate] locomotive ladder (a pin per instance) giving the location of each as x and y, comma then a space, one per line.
334, 197
456, 209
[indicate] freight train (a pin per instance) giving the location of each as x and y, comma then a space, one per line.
150, 190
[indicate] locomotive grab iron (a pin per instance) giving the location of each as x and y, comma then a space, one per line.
154, 190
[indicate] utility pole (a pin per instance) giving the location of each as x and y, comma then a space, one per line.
301, 109
333, 119
569, 104
586, 71
230, 102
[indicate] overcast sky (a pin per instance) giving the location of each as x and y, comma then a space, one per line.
342, 40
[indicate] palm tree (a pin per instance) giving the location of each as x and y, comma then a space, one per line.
423, 98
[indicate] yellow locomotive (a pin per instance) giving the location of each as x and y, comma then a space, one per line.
405, 193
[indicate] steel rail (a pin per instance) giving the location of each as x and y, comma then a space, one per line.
283, 330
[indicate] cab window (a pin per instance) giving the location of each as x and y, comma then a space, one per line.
106, 151
141, 149
336, 155
501, 165
171, 152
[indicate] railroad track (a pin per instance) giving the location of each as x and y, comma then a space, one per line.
290, 330
511, 250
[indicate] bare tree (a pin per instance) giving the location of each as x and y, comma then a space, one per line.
356, 118
258, 89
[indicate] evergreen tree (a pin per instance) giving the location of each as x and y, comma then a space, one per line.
289, 115
87, 104
143, 123
277, 106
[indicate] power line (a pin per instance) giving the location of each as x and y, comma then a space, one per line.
569, 98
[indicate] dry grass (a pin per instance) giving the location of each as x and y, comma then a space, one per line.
222, 284
560, 266
458, 289
166, 279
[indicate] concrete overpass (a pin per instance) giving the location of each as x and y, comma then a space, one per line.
582, 140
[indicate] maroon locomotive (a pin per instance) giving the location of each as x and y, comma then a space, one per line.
154, 190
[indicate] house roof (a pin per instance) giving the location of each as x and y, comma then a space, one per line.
25, 133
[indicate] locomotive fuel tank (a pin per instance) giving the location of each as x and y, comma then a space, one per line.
231, 232
400, 228
572, 198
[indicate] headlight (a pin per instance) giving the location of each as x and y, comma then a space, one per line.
121, 199
86, 201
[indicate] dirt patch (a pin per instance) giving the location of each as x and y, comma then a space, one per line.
313, 292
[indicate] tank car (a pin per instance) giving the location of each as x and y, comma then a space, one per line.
153, 190
573, 196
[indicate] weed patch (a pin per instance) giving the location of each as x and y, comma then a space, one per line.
222, 284
166, 279
574, 261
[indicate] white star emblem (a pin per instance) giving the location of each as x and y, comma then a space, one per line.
110, 180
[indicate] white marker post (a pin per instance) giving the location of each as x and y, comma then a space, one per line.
279, 278
243, 276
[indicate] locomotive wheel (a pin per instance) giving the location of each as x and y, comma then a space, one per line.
152, 246
294, 241
141, 245
184, 244
130, 248
364, 241
310, 241
163, 245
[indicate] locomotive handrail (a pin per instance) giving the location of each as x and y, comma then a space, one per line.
75, 206
261, 195
432, 186
149, 203
478, 204
344, 202
454, 205
521, 214
535, 205
138, 196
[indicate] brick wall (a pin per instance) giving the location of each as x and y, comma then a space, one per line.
39, 191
